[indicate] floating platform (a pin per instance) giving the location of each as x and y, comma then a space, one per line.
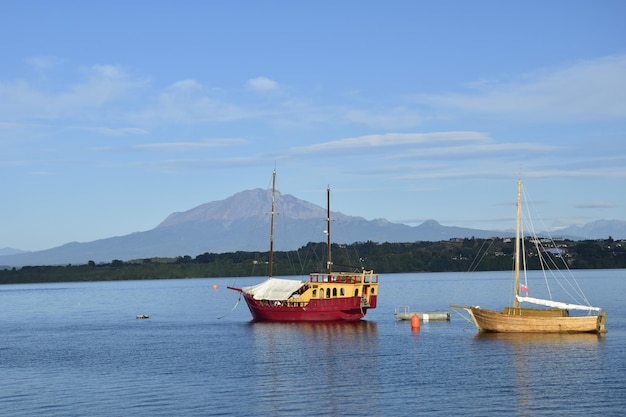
404, 313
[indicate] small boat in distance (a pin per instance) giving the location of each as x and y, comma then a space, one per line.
554, 319
325, 296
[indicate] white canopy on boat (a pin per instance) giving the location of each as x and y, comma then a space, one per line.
274, 289
557, 304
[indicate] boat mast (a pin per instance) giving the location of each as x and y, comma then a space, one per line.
517, 239
329, 261
272, 224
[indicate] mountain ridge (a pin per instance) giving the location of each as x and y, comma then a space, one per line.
241, 223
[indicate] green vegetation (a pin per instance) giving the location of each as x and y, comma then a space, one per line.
457, 255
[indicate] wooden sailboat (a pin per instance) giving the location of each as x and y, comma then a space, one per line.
325, 296
556, 318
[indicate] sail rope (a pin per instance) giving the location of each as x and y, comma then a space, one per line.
480, 255
232, 309
465, 317
476, 261
567, 283
524, 260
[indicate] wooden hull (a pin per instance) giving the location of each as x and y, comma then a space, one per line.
498, 322
332, 309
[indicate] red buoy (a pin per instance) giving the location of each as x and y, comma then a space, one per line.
415, 322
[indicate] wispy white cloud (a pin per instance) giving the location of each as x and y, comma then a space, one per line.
474, 167
83, 99
389, 118
42, 173
449, 173
175, 146
595, 205
391, 140
598, 172
4, 125
186, 85
478, 149
202, 164
106, 94
591, 90
262, 84
190, 146
44, 62
122, 131
187, 101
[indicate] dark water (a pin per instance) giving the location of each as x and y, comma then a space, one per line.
77, 350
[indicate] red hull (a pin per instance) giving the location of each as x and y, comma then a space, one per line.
337, 309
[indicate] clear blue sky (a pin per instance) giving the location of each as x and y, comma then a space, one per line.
114, 114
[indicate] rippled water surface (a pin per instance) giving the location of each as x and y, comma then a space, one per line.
77, 349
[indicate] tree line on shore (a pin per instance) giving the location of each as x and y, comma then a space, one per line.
456, 255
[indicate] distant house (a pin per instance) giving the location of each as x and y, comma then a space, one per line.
554, 251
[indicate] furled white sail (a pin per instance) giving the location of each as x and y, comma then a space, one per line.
274, 289
556, 304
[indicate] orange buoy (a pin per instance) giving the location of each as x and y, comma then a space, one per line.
214, 286
415, 322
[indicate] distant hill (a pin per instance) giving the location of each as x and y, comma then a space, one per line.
10, 251
600, 229
242, 223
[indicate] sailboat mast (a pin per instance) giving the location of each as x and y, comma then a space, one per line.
518, 216
272, 224
329, 261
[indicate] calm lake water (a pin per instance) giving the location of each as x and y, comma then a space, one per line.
77, 350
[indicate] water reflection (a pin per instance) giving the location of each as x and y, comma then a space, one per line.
545, 339
562, 362
348, 329
292, 359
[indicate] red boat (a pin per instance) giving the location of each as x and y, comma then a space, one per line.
328, 296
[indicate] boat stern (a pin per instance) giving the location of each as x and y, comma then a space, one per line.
602, 323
